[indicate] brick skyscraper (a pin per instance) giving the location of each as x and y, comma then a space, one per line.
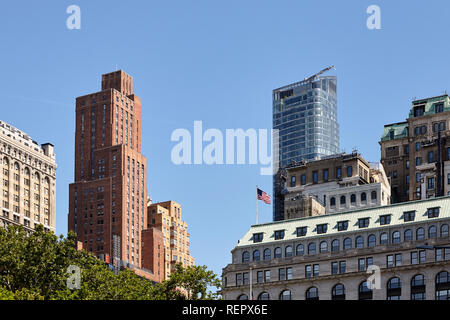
108, 197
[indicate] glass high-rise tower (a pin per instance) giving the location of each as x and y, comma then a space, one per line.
305, 113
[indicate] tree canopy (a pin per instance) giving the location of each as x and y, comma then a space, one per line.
38, 266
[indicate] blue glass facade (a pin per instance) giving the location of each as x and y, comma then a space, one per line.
305, 113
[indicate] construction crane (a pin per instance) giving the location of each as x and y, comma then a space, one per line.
314, 77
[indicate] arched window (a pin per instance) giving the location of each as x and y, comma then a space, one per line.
242, 297
364, 292
432, 232
338, 292
285, 295
288, 252
312, 248
373, 195
408, 235
418, 287
277, 253
444, 230
312, 294
266, 254
332, 201
347, 243
323, 246
343, 200
371, 240
384, 238
363, 197
443, 286
245, 256
300, 250
256, 255
394, 289
264, 296
335, 245
353, 198
359, 242
420, 234
396, 237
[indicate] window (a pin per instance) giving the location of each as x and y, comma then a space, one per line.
343, 200
409, 216
362, 264
430, 156
315, 270
277, 253
384, 238
433, 212
432, 232
279, 234
443, 286
359, 242
420, 234
303, 179
308, 271
394, 289
398, 259
342, 225
371, 240
430, 183
281, 274
246, 278
289, 273
349, 171
386, 219
390, 261
408, 235
292, 181
339, 173
332, 201
323, 246
353, 199
256, 255
321, 228
444, 230
439, 107
363, 222
347, 243
338, 292
312, 248
260, 277
363, 197
442, 254
288, 251
335, 245
301, 231
325, 175
364, 293
257, 237
267, 276
267, 254
334, 268
315, 177
245, 257
299, 250
285, 295
396, 237
373, 195
312, 294
264, 296
239, 279
342, 266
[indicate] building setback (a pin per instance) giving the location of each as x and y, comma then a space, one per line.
28, 175
108, 197
166, 218
416, 153
305, 113
327, 257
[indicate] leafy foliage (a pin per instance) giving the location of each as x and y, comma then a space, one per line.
35, 266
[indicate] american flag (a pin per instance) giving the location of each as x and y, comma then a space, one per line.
261, 195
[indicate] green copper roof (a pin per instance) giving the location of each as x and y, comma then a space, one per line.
430, 104
400, 130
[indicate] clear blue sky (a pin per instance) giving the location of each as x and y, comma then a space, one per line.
215, 61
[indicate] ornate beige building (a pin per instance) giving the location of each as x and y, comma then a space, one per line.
28, 177
328, 257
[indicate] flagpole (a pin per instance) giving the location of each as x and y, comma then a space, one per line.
256, 204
